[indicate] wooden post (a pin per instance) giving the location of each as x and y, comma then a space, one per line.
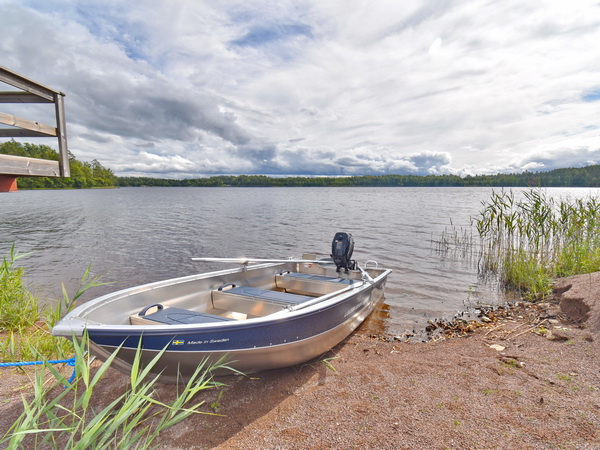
61, 131
8, 183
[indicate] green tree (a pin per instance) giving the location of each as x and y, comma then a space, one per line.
83, 174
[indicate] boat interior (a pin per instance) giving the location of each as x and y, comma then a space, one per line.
241, 301
231, 295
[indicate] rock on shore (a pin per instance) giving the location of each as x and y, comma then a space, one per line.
579, 298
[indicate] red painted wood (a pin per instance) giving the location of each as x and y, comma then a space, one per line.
8, 183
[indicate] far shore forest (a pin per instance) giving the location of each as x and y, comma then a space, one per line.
94, 175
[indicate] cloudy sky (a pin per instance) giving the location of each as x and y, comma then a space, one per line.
187, 88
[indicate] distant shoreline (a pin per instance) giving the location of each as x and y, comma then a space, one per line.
303, 187
588, 177
93, 174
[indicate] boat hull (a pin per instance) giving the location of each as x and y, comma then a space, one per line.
279, 340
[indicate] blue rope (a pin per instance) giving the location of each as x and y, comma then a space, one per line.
70, 362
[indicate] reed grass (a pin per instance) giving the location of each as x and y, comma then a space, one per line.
18, 308
25, 327
61, 418
529, 242
61, 413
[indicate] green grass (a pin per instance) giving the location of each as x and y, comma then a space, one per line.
329, 363
25, 327
18, 308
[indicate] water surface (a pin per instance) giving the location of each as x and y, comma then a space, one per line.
139, 235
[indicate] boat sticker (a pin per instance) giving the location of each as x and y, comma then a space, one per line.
177, 342
208, 341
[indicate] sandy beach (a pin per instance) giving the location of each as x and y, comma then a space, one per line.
529, 377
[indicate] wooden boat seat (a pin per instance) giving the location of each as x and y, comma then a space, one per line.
173, 316
306, 283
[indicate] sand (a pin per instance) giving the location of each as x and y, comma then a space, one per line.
527, 377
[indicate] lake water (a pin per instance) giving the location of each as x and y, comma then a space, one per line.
139, 235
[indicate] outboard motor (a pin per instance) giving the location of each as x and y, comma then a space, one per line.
341, 251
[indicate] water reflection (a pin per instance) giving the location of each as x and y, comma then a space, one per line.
377, 322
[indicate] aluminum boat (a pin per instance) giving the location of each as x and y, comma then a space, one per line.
262, 315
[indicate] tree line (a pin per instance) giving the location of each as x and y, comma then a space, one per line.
573, 177
93, 174
83, 174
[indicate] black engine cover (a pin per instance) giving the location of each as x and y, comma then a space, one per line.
341, 251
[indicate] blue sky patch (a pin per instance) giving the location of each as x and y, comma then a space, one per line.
105, 25
259, 36
592, 96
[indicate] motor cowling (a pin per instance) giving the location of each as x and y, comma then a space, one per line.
341, 251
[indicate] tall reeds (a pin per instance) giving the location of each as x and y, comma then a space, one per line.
61, 415
528, 242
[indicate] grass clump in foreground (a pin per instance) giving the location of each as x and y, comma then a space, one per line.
25, 327
529, 242
61, 416
61, 413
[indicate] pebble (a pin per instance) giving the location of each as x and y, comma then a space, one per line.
498, 347
556, 336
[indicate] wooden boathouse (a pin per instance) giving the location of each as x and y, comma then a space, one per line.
28, 91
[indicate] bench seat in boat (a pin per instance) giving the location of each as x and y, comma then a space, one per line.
176, 316
312, 277
255, 302
306, 283
283, 298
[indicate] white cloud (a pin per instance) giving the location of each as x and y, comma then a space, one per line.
316, 87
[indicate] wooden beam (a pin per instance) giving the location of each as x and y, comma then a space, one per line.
20, 82
21, 97
33, 167
30, 125
19, 133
